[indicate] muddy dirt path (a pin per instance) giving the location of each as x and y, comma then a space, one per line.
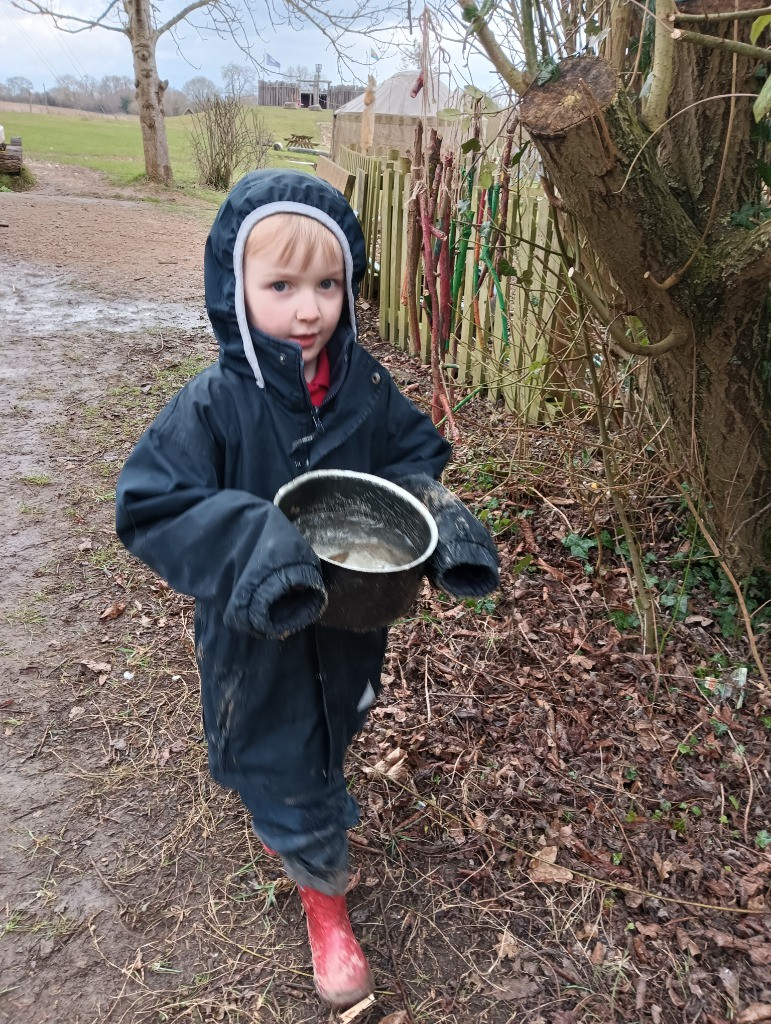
92, 288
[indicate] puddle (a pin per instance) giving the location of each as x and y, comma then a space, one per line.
38, 301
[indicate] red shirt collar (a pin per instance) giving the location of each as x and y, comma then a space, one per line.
319, 386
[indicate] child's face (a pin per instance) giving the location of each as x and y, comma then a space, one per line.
287, 302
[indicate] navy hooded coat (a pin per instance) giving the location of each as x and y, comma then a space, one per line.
282, 697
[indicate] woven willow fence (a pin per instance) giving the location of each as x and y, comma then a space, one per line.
512, 338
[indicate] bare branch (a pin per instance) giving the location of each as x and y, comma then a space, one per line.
704, 19
195, 6
719, 43
654, 107
511, 75
678, 336
32, 7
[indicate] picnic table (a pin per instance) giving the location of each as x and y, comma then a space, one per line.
300, 141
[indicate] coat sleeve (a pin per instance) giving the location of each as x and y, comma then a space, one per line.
465, 561
412, 442
211, 542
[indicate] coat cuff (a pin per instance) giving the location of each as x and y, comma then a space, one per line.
465, 561
289, 600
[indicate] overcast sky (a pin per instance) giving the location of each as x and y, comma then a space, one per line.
32, 47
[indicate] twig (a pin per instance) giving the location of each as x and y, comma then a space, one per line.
718, 43
106, 883
758, 12
737, 589
394, 965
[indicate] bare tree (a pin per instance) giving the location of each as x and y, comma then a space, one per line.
198, 88
226, 138
238, 79
143, 22
18, 88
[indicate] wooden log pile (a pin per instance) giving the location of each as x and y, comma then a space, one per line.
10, 156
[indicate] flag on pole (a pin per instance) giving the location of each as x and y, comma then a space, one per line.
373, 55
271, 63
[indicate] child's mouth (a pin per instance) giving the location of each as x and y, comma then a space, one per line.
304, 340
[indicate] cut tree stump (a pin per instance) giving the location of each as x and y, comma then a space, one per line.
11, 156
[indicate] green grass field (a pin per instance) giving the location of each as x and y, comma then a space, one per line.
115, 146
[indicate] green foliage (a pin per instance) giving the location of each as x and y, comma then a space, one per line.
758, 25
578, 546
496, 515
763, 839
481, 605
762, 104
548, 71
21, 182
750, 214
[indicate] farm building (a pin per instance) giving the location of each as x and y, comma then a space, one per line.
396, 114
301, 94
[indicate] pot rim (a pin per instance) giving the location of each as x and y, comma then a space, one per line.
381, 482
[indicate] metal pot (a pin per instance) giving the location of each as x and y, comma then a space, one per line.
373, 540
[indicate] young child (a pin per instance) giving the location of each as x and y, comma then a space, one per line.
292, 391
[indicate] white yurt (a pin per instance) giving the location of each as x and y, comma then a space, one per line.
396, 112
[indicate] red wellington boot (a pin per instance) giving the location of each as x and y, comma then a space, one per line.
340, 969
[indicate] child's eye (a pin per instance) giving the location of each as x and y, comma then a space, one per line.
327, 284
279, 286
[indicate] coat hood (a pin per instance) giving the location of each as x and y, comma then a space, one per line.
258, 195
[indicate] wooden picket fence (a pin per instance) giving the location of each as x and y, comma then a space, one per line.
527, 359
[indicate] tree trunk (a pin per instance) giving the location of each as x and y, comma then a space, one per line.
715, 378
149, 91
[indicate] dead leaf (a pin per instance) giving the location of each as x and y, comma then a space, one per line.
114, 610
598, 953
650, 931
664, 867
86, 545
353, 880
97, 666
543, 867
508, 947
76, 713
754, 1013
760, 954
516, 989
686, 943
400, 1017
730, 982
457, 834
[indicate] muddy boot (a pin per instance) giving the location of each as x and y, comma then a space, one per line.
340, 969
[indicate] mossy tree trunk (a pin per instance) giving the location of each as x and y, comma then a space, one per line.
712, 325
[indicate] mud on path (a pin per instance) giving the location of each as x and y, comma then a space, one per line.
131, 890
95, 291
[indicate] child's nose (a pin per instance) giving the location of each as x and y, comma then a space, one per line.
307, 307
